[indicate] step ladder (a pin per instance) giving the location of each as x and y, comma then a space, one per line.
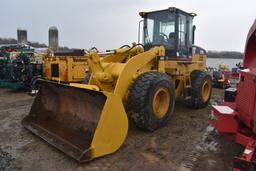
187, 86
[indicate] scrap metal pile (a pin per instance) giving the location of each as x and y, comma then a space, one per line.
18, 66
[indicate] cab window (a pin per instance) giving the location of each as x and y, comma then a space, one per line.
182, 30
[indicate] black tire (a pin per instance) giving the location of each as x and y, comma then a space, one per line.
198, 79
87, 78
34, 85
140, 100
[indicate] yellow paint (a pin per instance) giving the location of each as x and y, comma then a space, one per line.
206, 90
85, 86
71, 68
112, 127
161, 101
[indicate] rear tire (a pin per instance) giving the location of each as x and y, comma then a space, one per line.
201, 89
151, 101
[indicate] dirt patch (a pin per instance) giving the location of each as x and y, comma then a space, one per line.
12, 99
186, 143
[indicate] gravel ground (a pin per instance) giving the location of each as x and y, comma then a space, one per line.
187, 143
6, 161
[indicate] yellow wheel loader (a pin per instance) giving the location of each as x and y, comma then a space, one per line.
141, 83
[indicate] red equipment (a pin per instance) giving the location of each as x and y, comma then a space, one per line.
236, 117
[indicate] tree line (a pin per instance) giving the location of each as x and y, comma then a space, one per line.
14, 41
225, 54
5, 41
210, 54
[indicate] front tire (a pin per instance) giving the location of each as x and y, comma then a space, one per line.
151, 100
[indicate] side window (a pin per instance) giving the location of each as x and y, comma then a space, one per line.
149, 31
182, 30
190, 27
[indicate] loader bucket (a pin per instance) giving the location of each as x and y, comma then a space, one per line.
82, 123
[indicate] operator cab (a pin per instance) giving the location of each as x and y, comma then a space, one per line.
171, 28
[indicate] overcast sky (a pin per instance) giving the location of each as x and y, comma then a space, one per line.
108, 24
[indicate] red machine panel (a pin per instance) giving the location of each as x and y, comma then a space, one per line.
245, 100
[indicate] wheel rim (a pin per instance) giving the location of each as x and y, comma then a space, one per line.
206, 89
161, 102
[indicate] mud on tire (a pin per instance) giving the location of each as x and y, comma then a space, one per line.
140, 107
199, 79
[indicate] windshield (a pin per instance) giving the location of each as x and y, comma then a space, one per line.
159, 29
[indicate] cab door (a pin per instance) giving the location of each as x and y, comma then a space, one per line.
182, 39
185, 35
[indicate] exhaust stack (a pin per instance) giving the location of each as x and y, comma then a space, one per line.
53, 37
